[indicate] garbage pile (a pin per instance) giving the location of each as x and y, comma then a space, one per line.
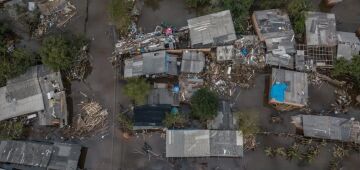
314, 79
93, 116
81, 66
54, 13
248, 51
137, 43
223, 78
343, 100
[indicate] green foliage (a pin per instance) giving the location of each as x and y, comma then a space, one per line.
56, 53
204, 104
137, 90
344, 68
120, 13
11, 130
239, 9
174, 120
12, 63
247, 122
60, 53
125, 122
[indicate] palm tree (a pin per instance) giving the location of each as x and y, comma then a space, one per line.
269, 152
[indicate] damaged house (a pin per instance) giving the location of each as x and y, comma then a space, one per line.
204, 143
37, 93
327, 127
288, 89
39, 156
321, 39
274, 28
153, 64
212, 30
348, 45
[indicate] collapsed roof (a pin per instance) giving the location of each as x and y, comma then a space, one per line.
348, 45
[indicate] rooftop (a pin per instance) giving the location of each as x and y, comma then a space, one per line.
320, 29
163, 96
39, 90
224, 118
280, 52
153, 63
348, 45
296, 91
212, 30
327, 127
225, 53
272, 23
57, 156
204, 143
192, 62
150, 116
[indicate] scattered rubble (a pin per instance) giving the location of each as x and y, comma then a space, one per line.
81, 66
343, 100
92, 118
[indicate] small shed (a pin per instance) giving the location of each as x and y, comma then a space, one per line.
288, 89
348, 45
327, 127
204, 143
163, 96
320, 29
150, 116
154, 63
212, 30
192, 61
225, 53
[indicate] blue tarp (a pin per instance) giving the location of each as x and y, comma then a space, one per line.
277, 92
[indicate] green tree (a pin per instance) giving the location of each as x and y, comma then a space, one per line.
120, 13
11, 130
204, 104
56, 52
174, 120
12, 62
125, 122
247, 122
348, 69
137, 90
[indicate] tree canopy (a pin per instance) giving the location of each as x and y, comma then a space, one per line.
120, 13
174, 120
204, 104
56, 53
348, 69
12, 62
137, 90
11, 130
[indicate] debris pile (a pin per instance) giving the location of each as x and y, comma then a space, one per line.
248, 51
55, 12
314, 79
223, 78
92, 117
250, 142
137, 43
343, 100
81, 66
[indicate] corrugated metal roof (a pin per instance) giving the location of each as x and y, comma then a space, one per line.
159, 62
326, 127
133, 67
192, 62
212, 29
297, 90
272, 23
225, 53
320, 29
204, 143
348, 45
163, 96
57, 156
